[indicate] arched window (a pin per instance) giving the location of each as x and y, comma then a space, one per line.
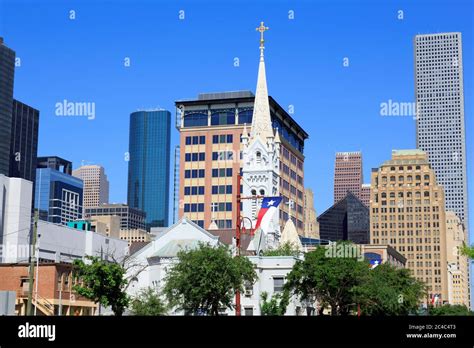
401, 178
427, 177
384, 195
245, 116
262, 192
222, 117
195, 118
426, 194
259, 156
392, 194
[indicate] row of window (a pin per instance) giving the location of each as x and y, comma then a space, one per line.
193, 190
223, 139
195, 157
222, 206
221, 189
196, 140
194, 173
193, 207
222, 172
220, 117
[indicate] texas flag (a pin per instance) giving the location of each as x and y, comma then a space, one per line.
265, 214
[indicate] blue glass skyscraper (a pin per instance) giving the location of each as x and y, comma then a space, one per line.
58, 194
149, 165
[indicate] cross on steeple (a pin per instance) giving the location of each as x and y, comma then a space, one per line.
262, 28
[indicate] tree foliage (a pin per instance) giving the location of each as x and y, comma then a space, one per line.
450, 310
286, 249
345, 281
276, 305
330, 280
206, 279
102, 282
389, 291
148, 302
468, 251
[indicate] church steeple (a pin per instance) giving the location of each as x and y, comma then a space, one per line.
261, 121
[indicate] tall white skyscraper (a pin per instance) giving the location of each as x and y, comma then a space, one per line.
96, 185
440, 119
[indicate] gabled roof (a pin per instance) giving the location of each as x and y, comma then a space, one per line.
172, 248
179, 222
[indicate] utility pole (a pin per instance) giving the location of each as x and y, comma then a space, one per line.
238, 224
29, 308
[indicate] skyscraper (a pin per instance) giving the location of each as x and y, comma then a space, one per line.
96, 185
311, 224
365, 194
407, 212
213, 131
210, 129
58, 194
24, 141
7, 73
347, 175
149, 165
440, 120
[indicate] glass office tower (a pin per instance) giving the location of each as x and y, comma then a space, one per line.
7, 72
149, 165
24, 141
58, 194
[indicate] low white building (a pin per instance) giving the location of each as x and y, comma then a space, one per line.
271, 272
156, 257
61, 243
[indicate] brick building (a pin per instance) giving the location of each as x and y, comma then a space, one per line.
55, 293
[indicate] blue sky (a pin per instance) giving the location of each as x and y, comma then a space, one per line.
172, 58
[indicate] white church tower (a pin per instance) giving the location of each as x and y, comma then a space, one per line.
261, 155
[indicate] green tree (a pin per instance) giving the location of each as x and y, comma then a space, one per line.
286, 249
102, 282
276, 305
206, 279
389, 291
329, 277
148, 302
450, 310
468, 251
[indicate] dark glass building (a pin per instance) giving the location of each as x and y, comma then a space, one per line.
347, 219
7, 73
24, 141
58, 194
149, 165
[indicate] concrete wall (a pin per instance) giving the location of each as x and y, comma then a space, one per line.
15, 218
